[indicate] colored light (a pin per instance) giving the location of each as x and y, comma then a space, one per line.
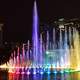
64, 55
17, 72
61, 71
48, 72
47, 52
28, 73
22, 72
41, 72
55, 72
34, 72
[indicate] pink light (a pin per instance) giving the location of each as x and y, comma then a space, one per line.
28, 73
22, 72
17, 72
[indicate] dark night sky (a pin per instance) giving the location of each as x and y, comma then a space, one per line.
17, 15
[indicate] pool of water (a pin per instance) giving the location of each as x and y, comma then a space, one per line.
4, 75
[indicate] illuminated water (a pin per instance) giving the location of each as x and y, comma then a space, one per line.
54, 55
58, 76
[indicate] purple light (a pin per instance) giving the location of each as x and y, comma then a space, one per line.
28, 73
35, 34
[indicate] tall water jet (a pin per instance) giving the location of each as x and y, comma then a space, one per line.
70, 35
47, 48
14, 59
61, 50
54, 48
18, 57
66, 51
54, 38
28, 50
41, 50
76, 48
75, 56
71, 48
23, 54
35, 37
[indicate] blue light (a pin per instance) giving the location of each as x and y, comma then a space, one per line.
34, 72
44, 69
61, 71
38, 71
48, 72
55, 72
41, 72
48, 65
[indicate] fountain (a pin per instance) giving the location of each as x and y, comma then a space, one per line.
35, 37
61, 53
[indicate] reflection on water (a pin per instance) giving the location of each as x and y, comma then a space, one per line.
52, 76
